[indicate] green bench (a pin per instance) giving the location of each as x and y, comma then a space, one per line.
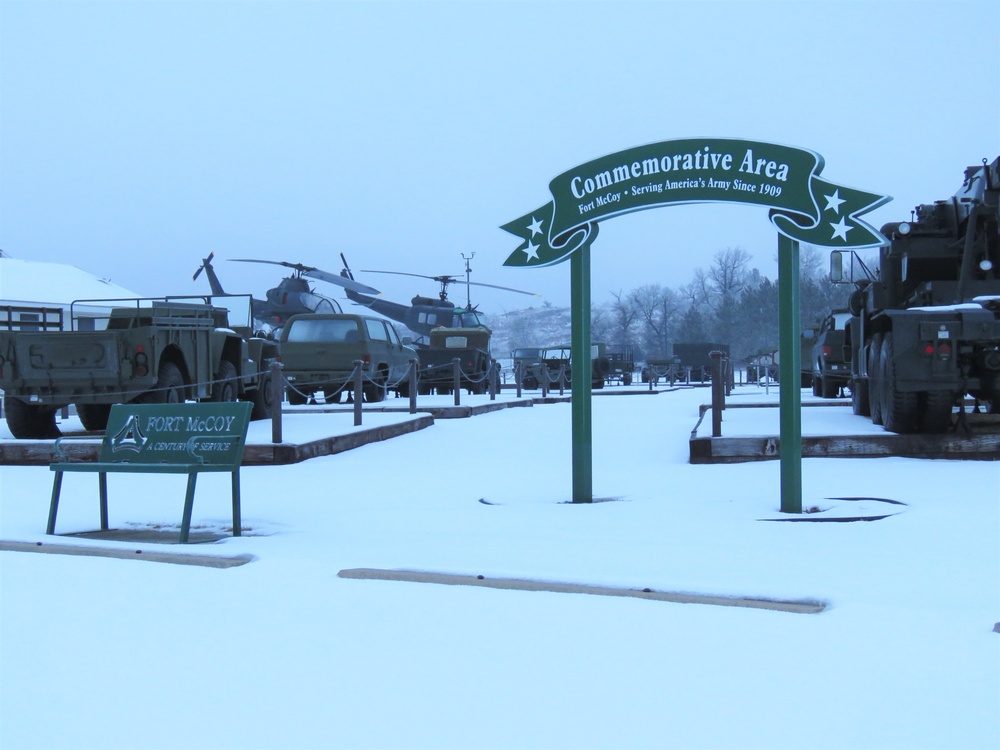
165, 439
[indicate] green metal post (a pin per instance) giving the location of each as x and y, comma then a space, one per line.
583, 481
790, 393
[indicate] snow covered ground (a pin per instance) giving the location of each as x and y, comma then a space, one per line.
281, 653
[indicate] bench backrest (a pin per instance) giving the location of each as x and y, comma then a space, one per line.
207, 433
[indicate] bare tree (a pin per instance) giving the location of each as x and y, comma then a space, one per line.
656, 307
623, 314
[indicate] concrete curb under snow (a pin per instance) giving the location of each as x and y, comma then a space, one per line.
801, 606
178, 558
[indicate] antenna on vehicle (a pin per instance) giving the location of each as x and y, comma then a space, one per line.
468, 280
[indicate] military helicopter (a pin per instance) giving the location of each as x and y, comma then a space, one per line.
424, 314
292, 296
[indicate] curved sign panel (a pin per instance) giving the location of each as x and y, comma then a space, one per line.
803, 205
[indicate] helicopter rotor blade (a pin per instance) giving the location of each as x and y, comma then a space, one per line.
316, 273
444, 279
333, 278
206, 262
494, 286
418, 275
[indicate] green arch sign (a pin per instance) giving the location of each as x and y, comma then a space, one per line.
803, 205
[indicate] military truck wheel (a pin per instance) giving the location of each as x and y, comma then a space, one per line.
375, 391
899, 408
936, 416
627, 378
30, 421
224, 389
94, 416
296, 397
828, 388
169, 388
262, 397
874, 381
817, 387
530, 383
860, 404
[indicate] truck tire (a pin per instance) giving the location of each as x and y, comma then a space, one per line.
936, 416
262, 397
94, 416
828, 388
295, 396
874, 381
627, 378
860, 404
225, 390
30, 421
374, 391
900, 409
169, 388
817, 387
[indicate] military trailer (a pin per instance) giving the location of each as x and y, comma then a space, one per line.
436, 368
925, 332
696, 357
150, 350
318, 352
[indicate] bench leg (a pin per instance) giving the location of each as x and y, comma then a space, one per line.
54, 504
103, 482
237, 519
188, 507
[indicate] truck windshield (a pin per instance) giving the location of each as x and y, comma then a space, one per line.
322, 330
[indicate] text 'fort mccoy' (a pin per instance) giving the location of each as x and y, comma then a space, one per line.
724, 176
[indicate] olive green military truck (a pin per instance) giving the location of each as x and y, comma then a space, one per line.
144, 350
318, 352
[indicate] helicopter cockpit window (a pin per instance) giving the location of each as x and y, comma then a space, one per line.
427, 318
376, 330
322, 330
471, 320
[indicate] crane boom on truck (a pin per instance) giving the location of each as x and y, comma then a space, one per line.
925, 330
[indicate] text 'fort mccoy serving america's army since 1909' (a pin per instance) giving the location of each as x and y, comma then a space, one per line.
698, 161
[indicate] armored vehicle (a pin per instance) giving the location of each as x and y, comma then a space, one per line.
830, 363
621, 363
556, 358
925, 333
318, 352
470, 346
151, 350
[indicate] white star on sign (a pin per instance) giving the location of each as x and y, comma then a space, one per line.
834, 201
840, 229
535, 226
531, 250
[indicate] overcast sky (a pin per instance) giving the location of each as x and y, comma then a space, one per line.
137, 137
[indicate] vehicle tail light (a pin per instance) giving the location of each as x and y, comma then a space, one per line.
826, 350
140, 362
944, 350
366, 359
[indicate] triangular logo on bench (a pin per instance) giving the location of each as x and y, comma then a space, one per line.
129, 437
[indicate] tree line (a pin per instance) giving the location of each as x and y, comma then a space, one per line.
728, 303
